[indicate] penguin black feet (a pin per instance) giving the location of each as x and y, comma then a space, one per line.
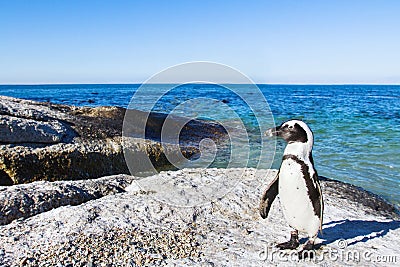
307, 251
293, 243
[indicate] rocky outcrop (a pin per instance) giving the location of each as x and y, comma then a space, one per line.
27, 200
136, 225
44, 141
349, 192
21, 130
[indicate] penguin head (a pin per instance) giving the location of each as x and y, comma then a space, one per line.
292, 131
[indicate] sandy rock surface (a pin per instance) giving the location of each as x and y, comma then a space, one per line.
139, 226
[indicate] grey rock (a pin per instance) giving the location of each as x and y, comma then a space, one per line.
138, 226
26, 200
30, 109
376, 204
44, 141
21, 130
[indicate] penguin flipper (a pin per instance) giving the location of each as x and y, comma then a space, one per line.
268, 197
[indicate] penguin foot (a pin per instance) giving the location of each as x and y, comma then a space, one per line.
307, 251
288, 245
293, 243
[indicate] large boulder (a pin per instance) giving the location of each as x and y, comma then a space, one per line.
44, 141
27, 200
62, 161
137, 226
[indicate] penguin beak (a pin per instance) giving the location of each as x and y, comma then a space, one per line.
273, 131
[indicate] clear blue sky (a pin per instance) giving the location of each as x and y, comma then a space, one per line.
128, 41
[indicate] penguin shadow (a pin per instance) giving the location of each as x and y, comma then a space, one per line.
349, 229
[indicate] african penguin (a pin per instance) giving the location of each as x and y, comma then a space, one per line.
297, 185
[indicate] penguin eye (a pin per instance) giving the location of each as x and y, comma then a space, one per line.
291, 127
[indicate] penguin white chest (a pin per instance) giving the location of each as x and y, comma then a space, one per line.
293, 194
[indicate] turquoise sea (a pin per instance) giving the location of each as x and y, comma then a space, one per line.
356, 127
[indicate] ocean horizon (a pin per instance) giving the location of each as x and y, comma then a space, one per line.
356, 126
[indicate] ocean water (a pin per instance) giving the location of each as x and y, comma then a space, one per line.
356, 127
